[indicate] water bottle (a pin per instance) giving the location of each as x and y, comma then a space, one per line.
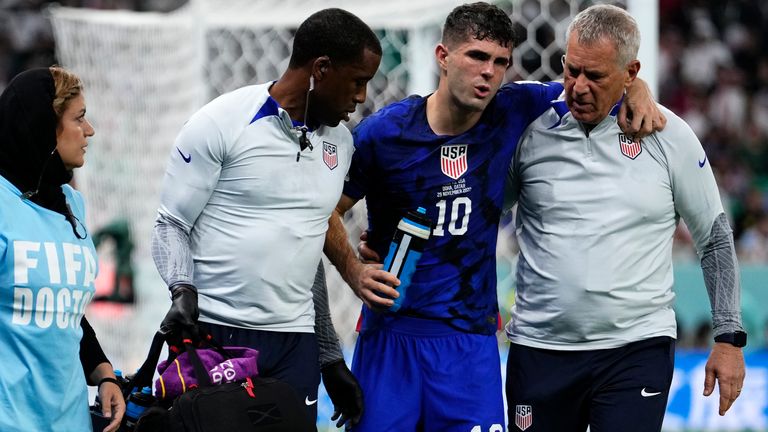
137, 403
405, 250
122, 381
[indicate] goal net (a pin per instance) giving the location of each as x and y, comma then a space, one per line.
146, 73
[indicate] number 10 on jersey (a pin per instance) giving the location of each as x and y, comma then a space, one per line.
453, 215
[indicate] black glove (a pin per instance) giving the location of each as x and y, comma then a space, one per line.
181, 319
345, 392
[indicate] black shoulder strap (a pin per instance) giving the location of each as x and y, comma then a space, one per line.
200, 373
143, 377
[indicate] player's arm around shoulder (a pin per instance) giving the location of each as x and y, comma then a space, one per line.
640, 115
528, 99
513, 182
366, 280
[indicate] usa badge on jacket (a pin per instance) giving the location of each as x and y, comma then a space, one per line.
630, 148
330, 157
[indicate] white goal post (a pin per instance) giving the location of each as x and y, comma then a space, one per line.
146, 73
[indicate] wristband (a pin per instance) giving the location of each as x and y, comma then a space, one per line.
737, 338
108, 379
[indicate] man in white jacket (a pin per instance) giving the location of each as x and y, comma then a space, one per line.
250, 184
593, 328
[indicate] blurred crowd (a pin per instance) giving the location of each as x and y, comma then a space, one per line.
713, 72
26, 37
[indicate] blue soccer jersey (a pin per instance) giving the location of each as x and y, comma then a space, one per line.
401, 164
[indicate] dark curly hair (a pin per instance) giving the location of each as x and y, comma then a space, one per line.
480, 21
335, 33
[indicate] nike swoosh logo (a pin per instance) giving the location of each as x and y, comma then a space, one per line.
702, 162
644, 393
309, 402
187, 159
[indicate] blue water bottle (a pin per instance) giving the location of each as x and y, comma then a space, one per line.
121, 380
137, 403
405, 250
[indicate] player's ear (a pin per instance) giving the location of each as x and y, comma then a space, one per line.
320, 67
441, 53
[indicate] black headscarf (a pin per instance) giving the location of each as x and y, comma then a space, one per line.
27, 158
28, 140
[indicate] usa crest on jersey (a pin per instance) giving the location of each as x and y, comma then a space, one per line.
330, 157
523, 416
453, 160
629, 147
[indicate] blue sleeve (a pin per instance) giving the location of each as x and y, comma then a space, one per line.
540, 97
527, 100
357, 183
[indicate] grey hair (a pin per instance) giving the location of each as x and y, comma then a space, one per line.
607, 22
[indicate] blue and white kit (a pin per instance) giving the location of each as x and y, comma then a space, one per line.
438, 354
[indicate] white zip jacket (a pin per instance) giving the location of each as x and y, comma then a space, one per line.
595, 220
256, 216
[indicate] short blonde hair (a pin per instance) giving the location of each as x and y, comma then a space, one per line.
612, 23
68, 86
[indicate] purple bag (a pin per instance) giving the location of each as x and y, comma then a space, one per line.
178, 376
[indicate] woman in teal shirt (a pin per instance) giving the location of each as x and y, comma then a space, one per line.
47, 261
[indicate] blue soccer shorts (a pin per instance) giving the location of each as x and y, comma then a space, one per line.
423, 375
620, 389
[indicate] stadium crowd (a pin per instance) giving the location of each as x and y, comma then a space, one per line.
713, 72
